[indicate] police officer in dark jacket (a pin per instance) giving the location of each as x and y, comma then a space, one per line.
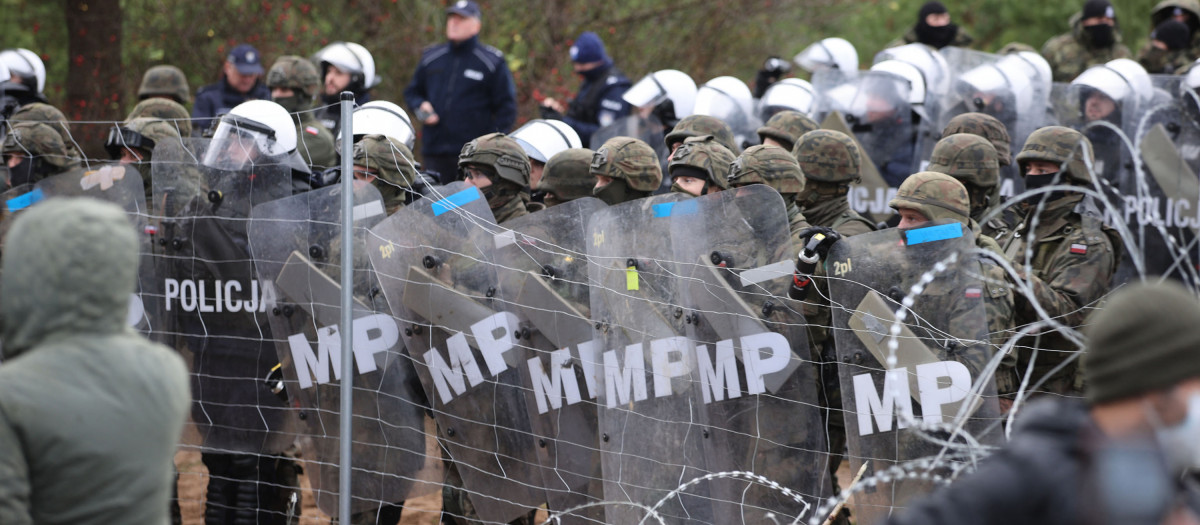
241, 80
599, 100
462, 89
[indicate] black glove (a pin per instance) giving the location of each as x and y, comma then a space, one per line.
549, 113
773, 69
817, 241
824, 242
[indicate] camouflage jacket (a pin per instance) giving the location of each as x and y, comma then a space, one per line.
836, 214
316, 144
1069, 53
961, 38
1157, 61
515, 207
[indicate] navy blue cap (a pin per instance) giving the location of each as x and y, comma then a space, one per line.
588, 48
246, 59
467, 8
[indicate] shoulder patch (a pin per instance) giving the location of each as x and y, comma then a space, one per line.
311, 130
494, 51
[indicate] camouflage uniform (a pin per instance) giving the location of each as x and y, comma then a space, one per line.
1069, 54
43, 148
699, 125
705, 154
51, 116
777, 168
971, 160
985, 126
165, 81
394, 162
163, 109
506, 164
158, 132
1166, 8
786, 127
315, 142
632, 166
1074, 256
566, 178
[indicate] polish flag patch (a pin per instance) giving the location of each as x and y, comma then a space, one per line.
311, 130
1079, 249
973, 292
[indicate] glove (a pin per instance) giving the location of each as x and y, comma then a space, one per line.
817, 241
773, 69
824, 242
549, 113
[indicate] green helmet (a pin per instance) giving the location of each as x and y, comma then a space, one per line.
160, 108
969, 158
41, 143
1166, 9
394, 162
630, 160
167, 81
786, 127
1059, 145
770, 165
500, 153
699, 125
142, 133
985, 126
566, 176
46, 114
828, 156
295, 73
705, 154
936, 195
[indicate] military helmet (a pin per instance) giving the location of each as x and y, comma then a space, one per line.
165, 80
389, 156
39, 141
970, 159
1016, 47
985, 126
786, 127
705, 154
142, 133
699, 125
628, 159
1167, 8
168, 110
295, 73
936, 195
46, 114
566, 176
1059, 145
770, 165
499, 152
828, 156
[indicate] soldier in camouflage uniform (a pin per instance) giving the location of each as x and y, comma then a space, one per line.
777, 168
163, 109
971, 160
625, 169
387, 164
1094, 40
566, 177
294, 83
34, 151
1169, 49
51, 116
985, 126
783, 129
165, 81
133, 143
699, 125
939, 34
1185, 11
498, 166
700, 166
1073, 252
831, 161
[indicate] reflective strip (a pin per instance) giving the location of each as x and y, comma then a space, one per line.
455, 201
767, 273
26, 200
367, 210
934, 233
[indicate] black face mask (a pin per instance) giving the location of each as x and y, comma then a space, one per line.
937, 37
1101, 35
1033, 182
22, 173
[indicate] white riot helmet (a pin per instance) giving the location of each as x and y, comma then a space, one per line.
933, 66
543, 139
1017, 76
830, 53
1124, 81
789, 94
660, 86
380, 117
351, 58
248, 133
724, 98
909, 72
27, 65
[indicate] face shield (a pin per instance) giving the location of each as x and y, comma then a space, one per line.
788, 94
543, 139
389, 121
237, 143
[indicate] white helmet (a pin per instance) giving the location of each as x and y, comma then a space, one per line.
789, 93
380, 117
26, 64
1193, 75
1016, 74
724, 97
830, 53
1122, 80
352, 58
909, 72
933, 66
254, 129
543, 139
659, 86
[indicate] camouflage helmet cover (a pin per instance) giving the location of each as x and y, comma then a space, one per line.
985, 126
157, 130
39, 140
770, 165
705, 154
936, 195
296, 73
970, 159
1059, 145
160, 108
628, 159
699, 125
786, 127
390, 157
165, 80
46, 114
499, 152
828, 156
567, 175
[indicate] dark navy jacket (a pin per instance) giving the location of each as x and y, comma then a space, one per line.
598, 102
218, 98
472, 92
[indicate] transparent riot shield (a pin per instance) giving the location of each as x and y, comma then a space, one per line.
651, 412
882, 120
542, 266
871, 194
714, 100
758, 380
646, 129
296, 244
216, 306
435, 263
915, 391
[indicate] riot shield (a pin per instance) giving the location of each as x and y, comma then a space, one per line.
931, 370
435, 263
758, 379
726, 106
542, 266
882, 121
646, 129
871, 194
296, 244
216, 306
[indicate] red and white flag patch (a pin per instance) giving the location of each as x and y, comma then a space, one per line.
1079, 249
311, 130
973, 292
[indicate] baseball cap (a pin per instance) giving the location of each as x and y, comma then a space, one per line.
467, 8
246, 59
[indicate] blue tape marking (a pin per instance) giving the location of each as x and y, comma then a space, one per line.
26, 200
934, 233
668, 209
455, 201
663, 210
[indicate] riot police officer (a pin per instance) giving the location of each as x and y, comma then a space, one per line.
599, 101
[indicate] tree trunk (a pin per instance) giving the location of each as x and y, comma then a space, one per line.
95, 78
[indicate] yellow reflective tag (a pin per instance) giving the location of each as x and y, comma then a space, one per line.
631, 278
